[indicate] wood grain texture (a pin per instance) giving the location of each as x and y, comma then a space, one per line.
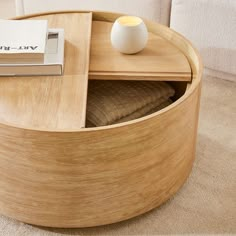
159, 60
44, 102
57, 102
88, 177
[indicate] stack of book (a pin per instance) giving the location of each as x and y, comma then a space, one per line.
28, 47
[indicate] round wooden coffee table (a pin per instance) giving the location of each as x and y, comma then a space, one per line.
56, 172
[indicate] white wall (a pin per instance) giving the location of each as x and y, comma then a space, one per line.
7, 9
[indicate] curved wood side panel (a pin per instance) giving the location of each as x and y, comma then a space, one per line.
101, 175
96, 177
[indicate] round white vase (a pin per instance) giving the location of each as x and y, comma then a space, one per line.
129, 34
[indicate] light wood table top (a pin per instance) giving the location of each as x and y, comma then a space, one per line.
53, 102
59, 103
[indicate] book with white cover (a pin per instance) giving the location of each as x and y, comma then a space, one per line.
22, 40
53, 59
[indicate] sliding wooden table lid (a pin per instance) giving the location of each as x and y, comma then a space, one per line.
160, 60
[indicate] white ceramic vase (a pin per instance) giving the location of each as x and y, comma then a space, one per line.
129, 34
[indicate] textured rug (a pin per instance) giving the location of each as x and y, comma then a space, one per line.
206, 203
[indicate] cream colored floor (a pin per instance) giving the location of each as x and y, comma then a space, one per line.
206, 203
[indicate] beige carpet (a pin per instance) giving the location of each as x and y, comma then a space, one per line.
207, 202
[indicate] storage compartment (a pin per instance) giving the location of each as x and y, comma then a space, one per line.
111, 101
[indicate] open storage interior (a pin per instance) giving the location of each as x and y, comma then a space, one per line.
113, 102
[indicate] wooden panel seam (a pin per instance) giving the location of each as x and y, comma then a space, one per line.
87, 71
